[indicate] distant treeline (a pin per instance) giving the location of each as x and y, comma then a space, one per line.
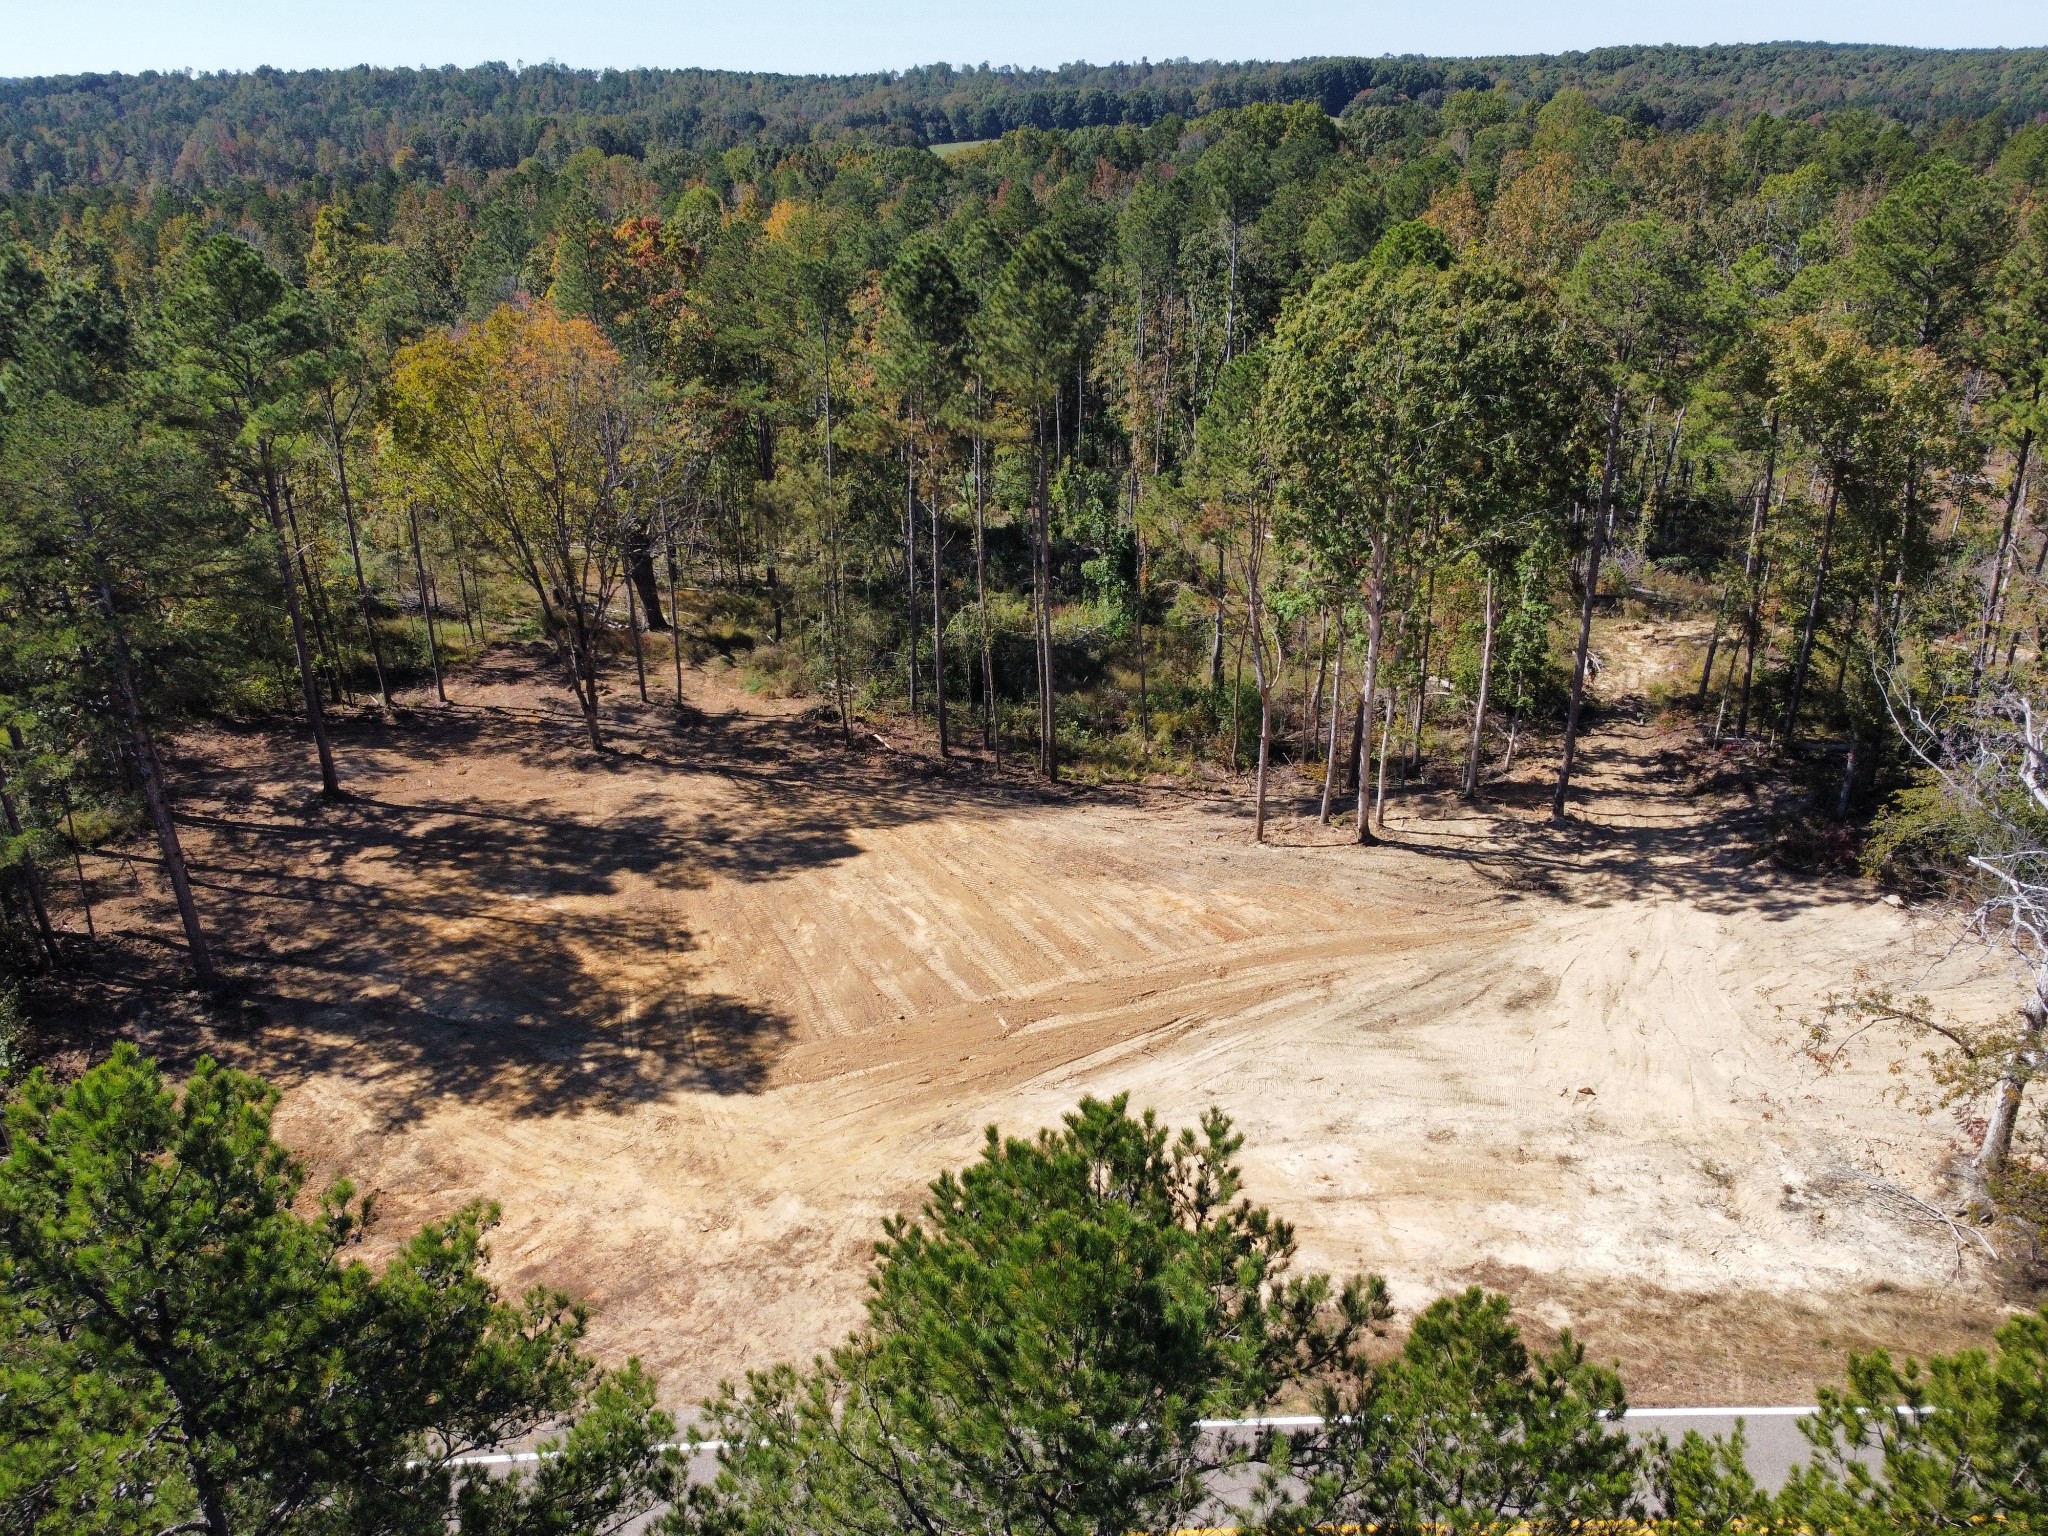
274, 127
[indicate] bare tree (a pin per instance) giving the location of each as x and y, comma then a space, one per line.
1989, 759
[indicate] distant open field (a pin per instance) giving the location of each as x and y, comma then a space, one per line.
701, 1012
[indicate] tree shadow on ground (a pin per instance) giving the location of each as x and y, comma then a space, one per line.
1635, 831
494, 910
1638, 828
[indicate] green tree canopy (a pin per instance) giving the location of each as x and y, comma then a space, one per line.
1041, 1345
181, 1349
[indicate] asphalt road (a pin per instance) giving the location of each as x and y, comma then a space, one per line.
1775, 1443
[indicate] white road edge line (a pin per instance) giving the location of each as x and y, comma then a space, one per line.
1290, 1421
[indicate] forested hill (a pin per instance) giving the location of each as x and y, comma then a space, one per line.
274, 127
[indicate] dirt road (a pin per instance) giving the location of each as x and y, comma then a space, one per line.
701, 1012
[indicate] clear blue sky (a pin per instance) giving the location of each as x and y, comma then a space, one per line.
61, 36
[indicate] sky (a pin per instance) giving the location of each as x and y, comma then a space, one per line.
820, 36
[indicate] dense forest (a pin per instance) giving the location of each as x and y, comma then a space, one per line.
1253, 437
273, 128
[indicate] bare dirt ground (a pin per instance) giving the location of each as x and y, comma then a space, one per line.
702, 1011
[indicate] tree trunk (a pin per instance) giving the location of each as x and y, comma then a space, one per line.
1237, 702
633, 628
330, 782
32, 885
149, 772
1993, 598
1379, 804
675, 634
583, 673
1850, 765
2012, 643
1336, 731
78, 868
1996, 1149
938, 632
1479, 704
640, 568
568, 624
586, 695
1421, 708
910, 569
323, 639
1262, 675
1749, 645
1699, 701
462, 594
1144, 689
1216, 632
1048, 758
355, 551
419, 560
1354, 758
1820, 577
1375, 615
836, 603
1312, 711
471, 602
1654, 502
1756, 578
1265, 739
1596, 547
991, 735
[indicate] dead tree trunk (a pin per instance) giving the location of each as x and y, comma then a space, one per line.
1996, 1148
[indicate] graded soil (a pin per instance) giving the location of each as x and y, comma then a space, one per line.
701, 1011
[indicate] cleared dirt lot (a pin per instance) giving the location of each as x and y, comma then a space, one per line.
701, 1012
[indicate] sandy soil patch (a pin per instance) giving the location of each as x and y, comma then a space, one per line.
701, 1012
